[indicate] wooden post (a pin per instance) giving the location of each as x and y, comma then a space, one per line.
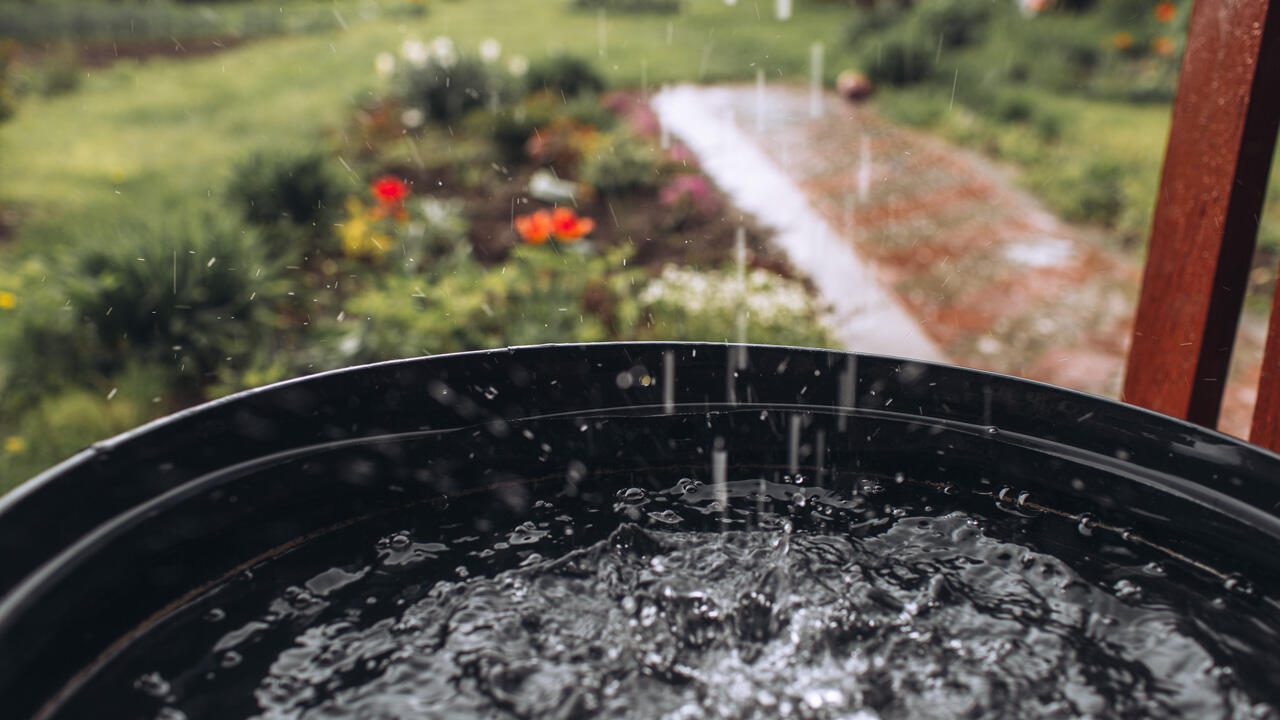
1225, 117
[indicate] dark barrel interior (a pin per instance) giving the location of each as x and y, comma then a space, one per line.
98, 552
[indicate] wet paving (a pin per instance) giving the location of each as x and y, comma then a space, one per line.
994, 280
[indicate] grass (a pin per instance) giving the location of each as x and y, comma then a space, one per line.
142, 138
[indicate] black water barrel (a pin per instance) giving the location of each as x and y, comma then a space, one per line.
99, 551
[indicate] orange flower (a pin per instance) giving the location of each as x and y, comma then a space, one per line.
1166, 12
389, 190
1122, 40
568, 227
1162, 45
534, 228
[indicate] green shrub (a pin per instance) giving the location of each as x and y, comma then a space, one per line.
274, 190
445, 89
8, 98
436, 229
1013, 107
60, 72
900, 58
630, 6
190, 292
955, 23
43, 341
539, 295
65, 420
566, 75
511, 126
869, 21
618, 162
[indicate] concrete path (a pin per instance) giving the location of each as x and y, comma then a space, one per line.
925, 249
867, 317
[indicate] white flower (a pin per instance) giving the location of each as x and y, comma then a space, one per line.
518, 65
490, 50
443, 51
414, 52
384, 64
412, 118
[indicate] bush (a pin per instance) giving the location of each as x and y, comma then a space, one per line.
565, 75
190, 293
280, 189
873, 20
538, 296
630, 6
445, 87
955, 23
8, 103
899, 59
619, 162
43, 343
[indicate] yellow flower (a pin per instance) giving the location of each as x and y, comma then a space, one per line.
14, 444
359, 239
8, 300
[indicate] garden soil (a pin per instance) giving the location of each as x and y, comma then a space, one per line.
996, 281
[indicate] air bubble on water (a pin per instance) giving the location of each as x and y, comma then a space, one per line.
899, 478
230, 659
1154, 568
170, 713
631, 495
214, 615
667, 517
1086, 524
1236, 584
1127, 590
1077, 484
993, 430
152, 684
1024, 497
1005, 494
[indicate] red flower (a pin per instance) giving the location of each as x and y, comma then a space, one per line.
568, 227
1166, 12
534, 228
389, 190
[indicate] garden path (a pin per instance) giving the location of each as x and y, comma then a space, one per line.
924, 249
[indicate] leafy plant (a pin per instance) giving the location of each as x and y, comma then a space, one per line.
539, 295
445, 87
566, 75
191, 292
274, 190
900, 58
619, 161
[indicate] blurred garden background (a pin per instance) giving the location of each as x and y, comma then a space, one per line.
200, 197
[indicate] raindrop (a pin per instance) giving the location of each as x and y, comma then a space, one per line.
152, 684
1086, 524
